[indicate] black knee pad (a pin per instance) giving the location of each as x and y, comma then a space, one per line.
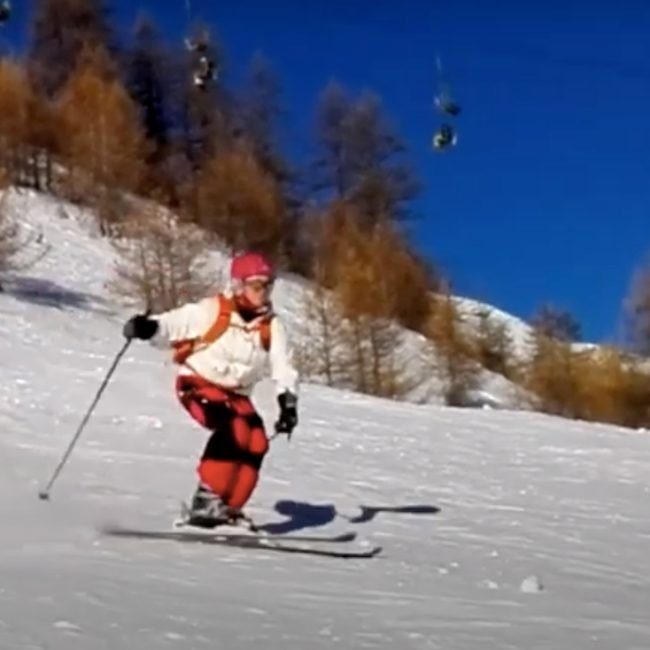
222, 446
218, 415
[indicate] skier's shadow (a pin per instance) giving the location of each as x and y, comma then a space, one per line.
300, 515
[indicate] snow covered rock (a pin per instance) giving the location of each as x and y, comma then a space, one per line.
531, 585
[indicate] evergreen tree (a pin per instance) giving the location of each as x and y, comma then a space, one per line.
60, 31
262, 110
330, 169
146, 64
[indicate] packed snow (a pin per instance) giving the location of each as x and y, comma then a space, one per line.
500, 529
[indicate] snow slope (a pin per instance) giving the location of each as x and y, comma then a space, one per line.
88, 261
511, 501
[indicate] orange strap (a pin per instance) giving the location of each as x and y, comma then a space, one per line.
222, 322
183, 349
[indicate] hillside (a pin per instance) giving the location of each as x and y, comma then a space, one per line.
506, 501
78, 266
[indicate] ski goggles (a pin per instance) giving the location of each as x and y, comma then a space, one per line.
259, 285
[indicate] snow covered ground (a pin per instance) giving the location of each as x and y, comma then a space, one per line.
87, 262
533, 532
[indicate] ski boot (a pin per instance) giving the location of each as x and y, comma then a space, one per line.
208, 510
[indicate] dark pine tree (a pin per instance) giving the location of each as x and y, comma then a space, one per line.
146, 63
261, 113
330, 171
60, 31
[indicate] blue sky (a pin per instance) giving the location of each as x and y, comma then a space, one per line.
546, 197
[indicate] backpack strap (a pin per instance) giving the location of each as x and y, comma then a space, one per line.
183, 349
221, 323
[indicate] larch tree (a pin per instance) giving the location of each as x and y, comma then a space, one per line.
494, 344
363, 288
360, 158
237, 199
552, 375
384, 182
15, 100
162, 262
452, 354
105, 157
322, 356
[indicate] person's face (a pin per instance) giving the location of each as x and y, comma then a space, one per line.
258, 292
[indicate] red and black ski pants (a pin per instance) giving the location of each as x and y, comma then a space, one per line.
234, 452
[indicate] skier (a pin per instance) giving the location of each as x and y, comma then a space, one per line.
222, 345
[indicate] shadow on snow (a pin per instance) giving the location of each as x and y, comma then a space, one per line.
300, 515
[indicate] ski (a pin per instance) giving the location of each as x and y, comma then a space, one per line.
306, 544
192, 533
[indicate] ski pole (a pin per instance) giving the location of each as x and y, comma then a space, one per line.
45, 494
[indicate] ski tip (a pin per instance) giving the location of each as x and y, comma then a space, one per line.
111, 529
370, 553
348, 536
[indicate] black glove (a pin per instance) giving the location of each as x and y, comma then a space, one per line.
140, 327
288, 413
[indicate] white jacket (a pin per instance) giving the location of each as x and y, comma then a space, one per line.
236, 360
